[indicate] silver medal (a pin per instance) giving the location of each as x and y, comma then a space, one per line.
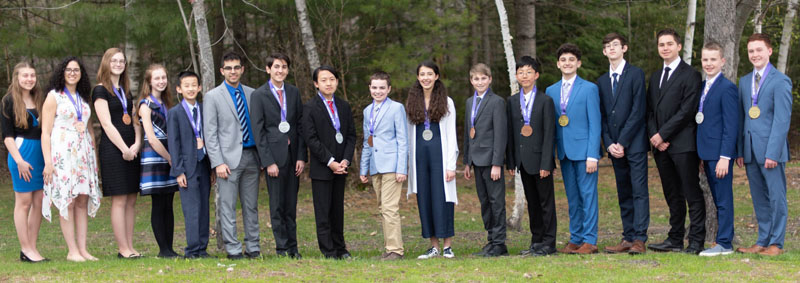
339, 138
699, 118
427, 134
284, 127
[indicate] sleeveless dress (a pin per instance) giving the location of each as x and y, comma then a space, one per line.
155, 178
118, 176
28, 143
73, 157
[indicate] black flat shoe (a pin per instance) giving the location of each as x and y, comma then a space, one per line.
132, 256
25, 258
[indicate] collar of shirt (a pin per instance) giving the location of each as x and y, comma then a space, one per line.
571, 81
528, 94
483, 94
279, 88
759, 72
618, 70
710, 81
232, 90
672, 65
191, 106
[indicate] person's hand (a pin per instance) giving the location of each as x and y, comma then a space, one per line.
543, 174
126, 154
656, 140
400, 178
24, 168
449, 175
620, 150
511, 172
135, 149
740, 162
182, 181
213, 179
496, 172
663, 146
364, 179
701, 166
273, 170
591, 167
223, 171
467, 173
169, 161
769, 163
47, 173
298, 167
722, 168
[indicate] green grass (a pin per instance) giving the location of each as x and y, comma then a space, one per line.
365, 241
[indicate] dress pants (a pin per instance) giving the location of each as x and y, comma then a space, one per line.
329, 214
768, 190
388, 192
435, 213
541, 208
492, 195
634, 197
283, 208
241, 184
162, 220
681, 184
581, 189
194, 203
722, 191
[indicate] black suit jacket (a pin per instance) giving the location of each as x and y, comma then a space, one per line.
535, 152
488, 148
672, 107
265, 113
181, 142
319, 134
624, 112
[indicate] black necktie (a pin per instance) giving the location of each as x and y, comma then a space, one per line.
614, 84
665, 77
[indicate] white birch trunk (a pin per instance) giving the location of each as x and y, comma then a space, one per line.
515, 219
689, 35
307, 34
188, 28
786, 36
757, 18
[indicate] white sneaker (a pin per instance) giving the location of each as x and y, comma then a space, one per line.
432, 252
716, 250
448, 253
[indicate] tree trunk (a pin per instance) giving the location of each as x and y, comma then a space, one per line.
515, 219
207, 69
757, 18
308, 34
688, 40
132, 55
526, 27
188, 27
786, 36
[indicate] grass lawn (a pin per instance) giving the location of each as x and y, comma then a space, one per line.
365, 241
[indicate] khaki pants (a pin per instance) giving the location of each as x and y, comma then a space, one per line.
388, 191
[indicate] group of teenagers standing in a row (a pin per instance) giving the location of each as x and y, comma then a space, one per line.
157, 148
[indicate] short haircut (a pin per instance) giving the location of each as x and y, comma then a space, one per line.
380, 76
272, 57
479, 69
530, 62
713, 45
568, 48
230, 56
669, 31
187, 74
612, 36
333, 71
762, 37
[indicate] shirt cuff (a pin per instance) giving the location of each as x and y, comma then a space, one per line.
724, 157
330, 161
591, 159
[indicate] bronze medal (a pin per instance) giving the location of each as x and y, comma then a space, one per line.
200, 143
80, 126
526, 131
754, 112
369, 141
563, 120
126, 119
472, 132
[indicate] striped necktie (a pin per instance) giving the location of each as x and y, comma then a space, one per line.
240, 111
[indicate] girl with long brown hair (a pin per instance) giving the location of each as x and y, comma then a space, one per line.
433, 151
22, 133
119, 146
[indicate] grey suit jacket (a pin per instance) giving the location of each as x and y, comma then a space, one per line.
489, 145
223, 133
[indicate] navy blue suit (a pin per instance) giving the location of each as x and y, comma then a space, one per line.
623, 112
716, 137
182, 146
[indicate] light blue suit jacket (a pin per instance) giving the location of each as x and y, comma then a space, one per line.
581, 137
766, 135
389, 153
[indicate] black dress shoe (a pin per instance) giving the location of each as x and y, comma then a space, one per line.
345, 255
236, 256
543, 250
484, 250
168, 255
252, 255
666, 246
694, 249
295, 255
497, 250
25, 258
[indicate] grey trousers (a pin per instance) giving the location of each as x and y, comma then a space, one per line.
241, 184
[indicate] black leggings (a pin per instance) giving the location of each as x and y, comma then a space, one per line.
163, 221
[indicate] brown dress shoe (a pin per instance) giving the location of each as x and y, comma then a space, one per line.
569, 248
637, 248
751, 250
586, 249
771, 251
622, 247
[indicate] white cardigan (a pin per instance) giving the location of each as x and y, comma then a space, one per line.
447, 127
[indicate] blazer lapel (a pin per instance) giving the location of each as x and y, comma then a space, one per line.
324, 106
226, 96
574, 92
386, 107
615, 92
675, 73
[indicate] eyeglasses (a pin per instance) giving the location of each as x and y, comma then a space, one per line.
121, 62
614, 44
72, 71
229, 68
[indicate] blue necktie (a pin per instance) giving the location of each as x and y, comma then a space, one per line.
614, 84
240, 110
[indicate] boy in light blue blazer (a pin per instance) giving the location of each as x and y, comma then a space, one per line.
384, 158
578, 130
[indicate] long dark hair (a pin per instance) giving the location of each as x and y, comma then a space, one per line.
415, 103
58, 82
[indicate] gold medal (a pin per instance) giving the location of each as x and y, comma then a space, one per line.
126, 119
369, 141
472, 132
754, 112
200, 143
80, 126
526, 131
563, 120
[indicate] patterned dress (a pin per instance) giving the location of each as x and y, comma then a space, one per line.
73, 157
155, 169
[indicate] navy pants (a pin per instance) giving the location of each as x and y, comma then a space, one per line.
435, 213
722, 191
633, 195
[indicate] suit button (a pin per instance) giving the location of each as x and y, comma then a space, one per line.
615, 125
376, 150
